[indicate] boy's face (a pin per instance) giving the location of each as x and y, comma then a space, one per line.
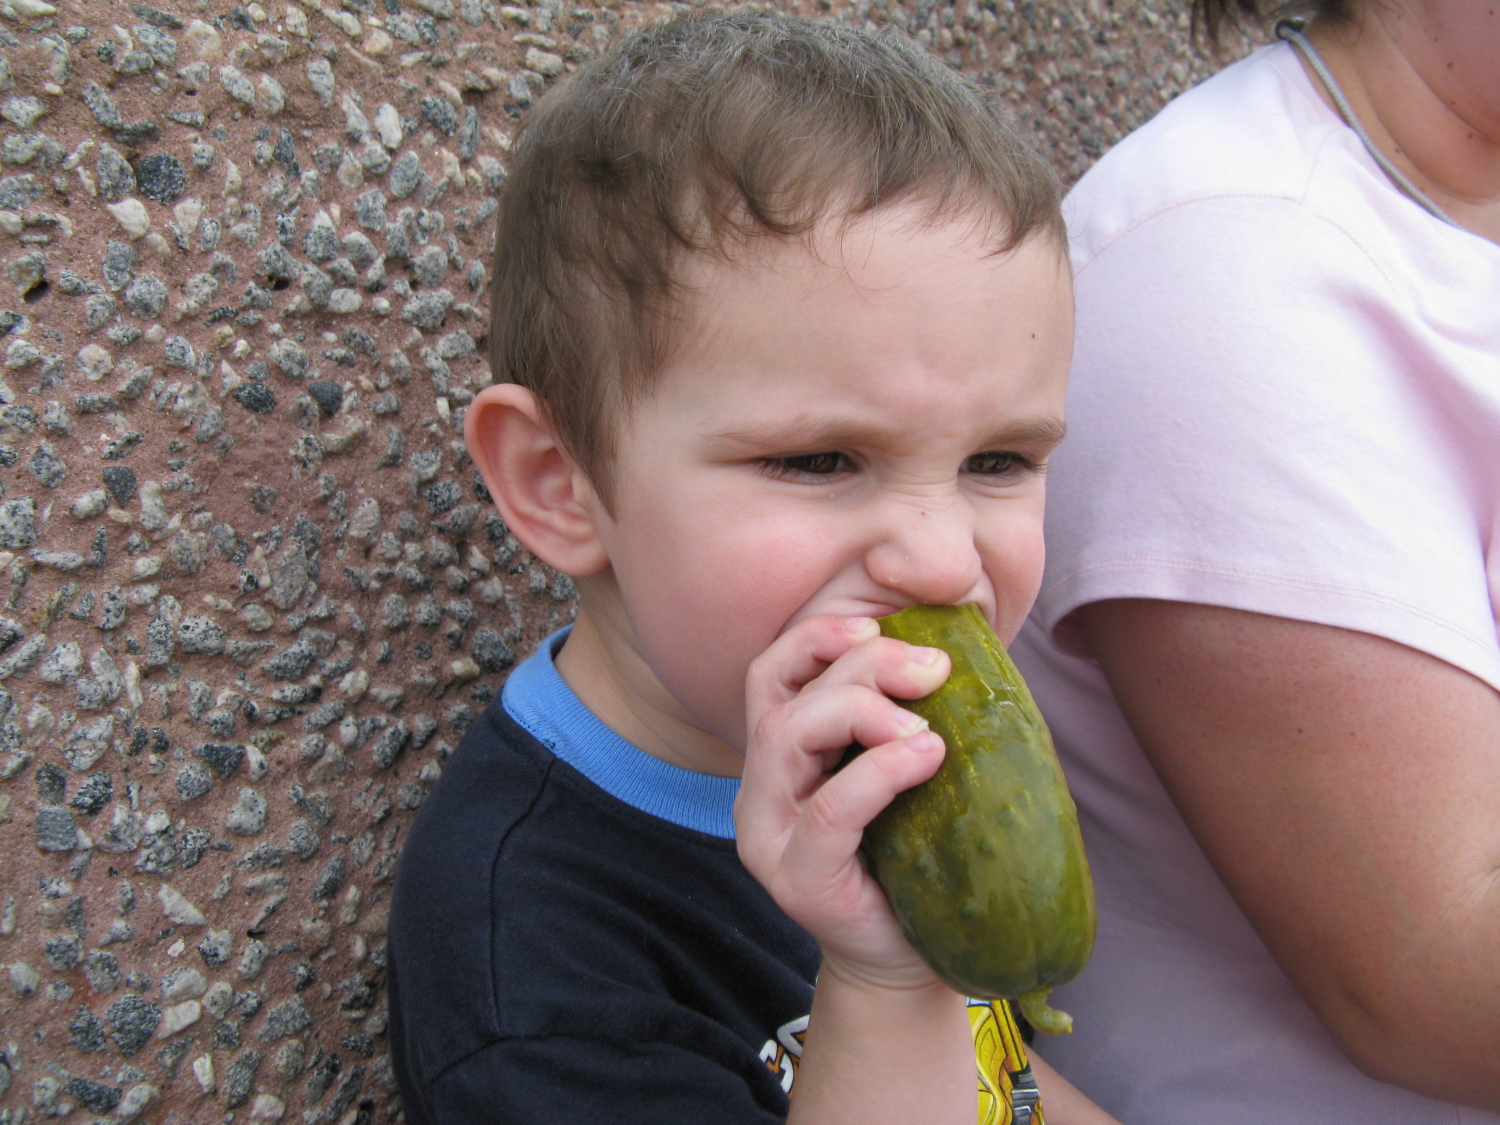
849, 429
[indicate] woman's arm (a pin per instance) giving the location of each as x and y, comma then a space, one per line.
1347, 790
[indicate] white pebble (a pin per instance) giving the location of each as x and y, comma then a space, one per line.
177, 1017
179, 909
267, 1107
203, 1071
132, 217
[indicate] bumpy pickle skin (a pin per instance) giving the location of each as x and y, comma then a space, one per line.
984, 864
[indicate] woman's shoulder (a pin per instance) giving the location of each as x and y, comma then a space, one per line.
1255, 131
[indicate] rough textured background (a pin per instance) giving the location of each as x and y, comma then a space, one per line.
251, 592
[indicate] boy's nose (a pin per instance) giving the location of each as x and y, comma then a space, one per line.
928, 555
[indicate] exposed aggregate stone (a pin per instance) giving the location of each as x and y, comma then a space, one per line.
253, 592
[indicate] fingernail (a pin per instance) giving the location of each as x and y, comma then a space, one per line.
912, 724
926, 656
860, 626
925, 743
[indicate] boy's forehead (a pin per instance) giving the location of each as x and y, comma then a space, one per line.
906, 312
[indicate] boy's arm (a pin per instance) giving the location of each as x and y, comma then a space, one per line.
887, 1041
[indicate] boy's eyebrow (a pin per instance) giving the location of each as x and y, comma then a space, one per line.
811, 435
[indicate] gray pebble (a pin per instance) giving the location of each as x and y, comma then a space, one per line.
427, 310
430, 267
86, 1032
160, 177
145, 297
248, 817
330, 878
22, 112
177, 352
133, 1021
215, 948
277, 264
468, 138
286, 1018
395, 612
440, 114
119, 262
329, 397
320, 75
16, 192
94, 794
290, 358
18, 523
47, 466
193, 781
63, 665
236, 85
490, 651
316, 284
252, 959
102, 971
369, 210
63, 952
101, 105
291, 662
359, 249
55, 830
94, 1096
201, 634
321, 242
188, 551
223, 758
255, 397
239, 1078
98, 311
121, 482
159, 643
302, 840
112, 614
116, 179
406, 174
158, 44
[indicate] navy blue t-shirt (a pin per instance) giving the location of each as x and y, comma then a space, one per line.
574, 939
561, 954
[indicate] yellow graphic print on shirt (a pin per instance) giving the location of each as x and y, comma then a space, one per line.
1007, 1091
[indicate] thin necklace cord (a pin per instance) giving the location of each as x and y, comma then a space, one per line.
1291, 31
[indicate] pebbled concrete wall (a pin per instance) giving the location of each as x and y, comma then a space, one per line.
252, 595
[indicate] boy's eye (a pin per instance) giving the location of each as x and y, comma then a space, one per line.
813, 464
996, 464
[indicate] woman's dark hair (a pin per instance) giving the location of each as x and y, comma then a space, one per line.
1212, 18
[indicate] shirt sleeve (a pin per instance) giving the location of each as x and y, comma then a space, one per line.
1258, 420
545, 1080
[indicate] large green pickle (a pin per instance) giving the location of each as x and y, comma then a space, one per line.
984, 863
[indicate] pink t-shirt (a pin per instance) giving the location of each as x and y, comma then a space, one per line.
1286, 399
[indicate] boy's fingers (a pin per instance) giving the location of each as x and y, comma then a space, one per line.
890, 667
800, 741
796, 745
833, 820
801, 655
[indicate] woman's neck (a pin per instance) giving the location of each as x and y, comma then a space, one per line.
1421, 94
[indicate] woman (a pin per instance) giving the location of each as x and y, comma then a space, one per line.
1267, 637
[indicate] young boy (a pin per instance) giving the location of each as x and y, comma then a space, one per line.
781, 325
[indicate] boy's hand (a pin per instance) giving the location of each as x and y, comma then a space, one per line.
822, 685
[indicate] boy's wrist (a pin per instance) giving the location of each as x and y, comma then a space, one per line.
914, 984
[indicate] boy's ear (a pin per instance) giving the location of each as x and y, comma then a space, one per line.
543, 495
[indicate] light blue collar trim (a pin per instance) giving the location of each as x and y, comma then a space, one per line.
537, 698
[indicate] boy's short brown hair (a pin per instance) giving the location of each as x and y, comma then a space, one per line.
696, 136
